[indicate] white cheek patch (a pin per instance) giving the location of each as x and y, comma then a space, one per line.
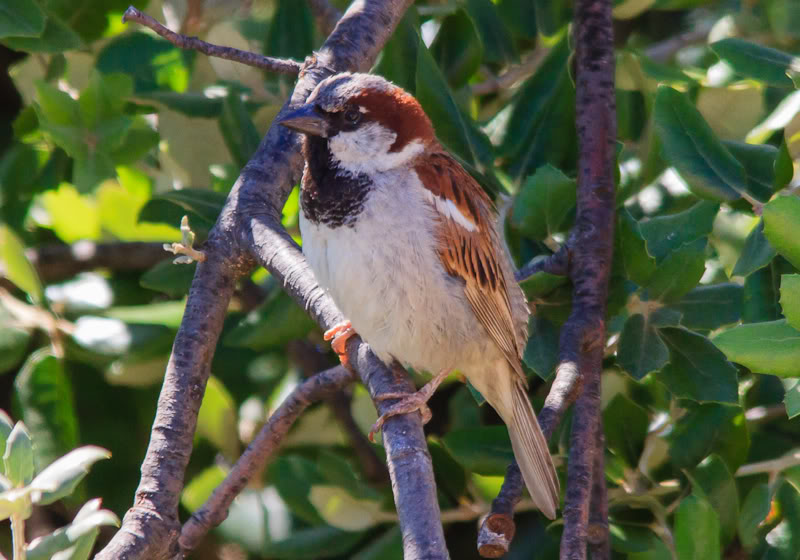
366, 149
448, 209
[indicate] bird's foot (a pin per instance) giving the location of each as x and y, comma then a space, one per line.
340, 334
409, 403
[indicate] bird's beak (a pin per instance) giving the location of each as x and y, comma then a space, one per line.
308, 120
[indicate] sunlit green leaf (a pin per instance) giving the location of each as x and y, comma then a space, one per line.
768, 347
216, 420
18, 456
781, 224
690, 145
756, 61
697, 530
17, 267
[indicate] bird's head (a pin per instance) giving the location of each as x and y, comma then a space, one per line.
370, 124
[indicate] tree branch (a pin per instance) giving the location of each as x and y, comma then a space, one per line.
261, 449
325, 14
589, 265
249, 226
598, 536
278, 65
557, 264
59, 262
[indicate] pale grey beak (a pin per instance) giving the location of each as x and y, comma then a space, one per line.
308, 120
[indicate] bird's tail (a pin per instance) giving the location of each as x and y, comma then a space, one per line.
533, 456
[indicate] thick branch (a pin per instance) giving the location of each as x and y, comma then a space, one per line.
260, 450
590, 247
248, 224
598, 536
59, 262
278, 65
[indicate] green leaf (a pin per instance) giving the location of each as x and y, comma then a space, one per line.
237, 128
454, 129
697, 370
457, 49
200, 487
340, 472
119, 209
216, 420
761, 293
640, 350
690, 145
638, 263
6, 425
450, 476
625, 424
73, 216
791, 398
551, 16
534, 96
62, 476
710, 307
18, 456
707, 429
485, 450
44, 393
341, 510
497, 42
781, 224
713, 478
21, 18
318, 542
204, 203
174, 280
697, 530
678, 273
277, 322
389, 546
754, 511
631, 539
56, 38
790, 298
75, 541
781, 116
665, 234
759, 166
154, 63
541, 350
544, 203
398, 60
755, 61
17, 267
769, 347
291, 31
756, 253
293, 477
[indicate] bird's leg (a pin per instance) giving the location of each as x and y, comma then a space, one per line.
340, 334
410, 403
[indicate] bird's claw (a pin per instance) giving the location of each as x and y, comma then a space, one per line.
340, 334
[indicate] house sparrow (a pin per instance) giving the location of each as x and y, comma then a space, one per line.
406, 243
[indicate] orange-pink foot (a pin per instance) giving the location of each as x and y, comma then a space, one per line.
340, 334
409, 403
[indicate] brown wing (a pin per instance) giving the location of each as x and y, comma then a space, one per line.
470, 249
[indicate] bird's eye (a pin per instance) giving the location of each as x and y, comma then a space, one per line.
352, 116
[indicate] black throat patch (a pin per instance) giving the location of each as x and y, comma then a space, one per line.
330, 195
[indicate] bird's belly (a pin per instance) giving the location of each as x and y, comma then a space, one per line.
384, 274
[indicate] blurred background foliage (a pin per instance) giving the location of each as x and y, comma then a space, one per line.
109, 135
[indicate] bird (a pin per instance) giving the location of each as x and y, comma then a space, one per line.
408, 245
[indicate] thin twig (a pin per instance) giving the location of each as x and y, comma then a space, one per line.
277, 65
326, 15
512, 75
260, 450
663, 51
771, 466
557, 264
59, 262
